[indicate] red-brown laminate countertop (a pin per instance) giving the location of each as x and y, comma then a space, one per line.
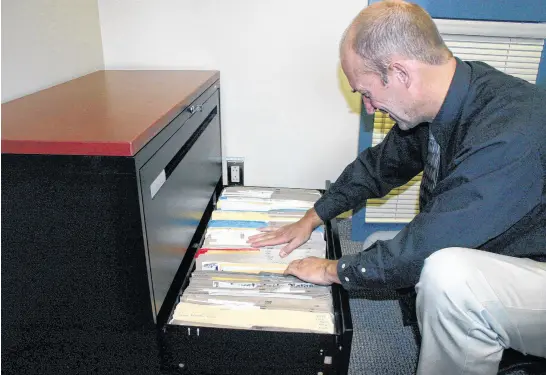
108, 112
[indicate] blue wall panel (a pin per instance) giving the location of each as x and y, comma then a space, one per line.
486, 10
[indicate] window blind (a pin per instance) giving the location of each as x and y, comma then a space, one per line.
519, 57
401, 204
513, 48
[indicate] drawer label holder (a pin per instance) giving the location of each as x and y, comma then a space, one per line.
157, 183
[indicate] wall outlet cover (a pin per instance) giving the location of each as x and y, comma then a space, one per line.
235, 171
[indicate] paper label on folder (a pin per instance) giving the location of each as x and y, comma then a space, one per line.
157, 183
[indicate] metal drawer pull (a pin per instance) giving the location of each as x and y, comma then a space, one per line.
196, 108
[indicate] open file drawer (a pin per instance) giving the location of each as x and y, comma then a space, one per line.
205, 350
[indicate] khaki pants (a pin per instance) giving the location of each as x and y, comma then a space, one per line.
472, 304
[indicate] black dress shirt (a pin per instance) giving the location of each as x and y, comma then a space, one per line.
490, 190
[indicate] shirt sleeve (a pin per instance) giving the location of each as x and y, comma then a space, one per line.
488, 190
375, 172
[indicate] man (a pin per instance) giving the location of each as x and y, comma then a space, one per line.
476, 251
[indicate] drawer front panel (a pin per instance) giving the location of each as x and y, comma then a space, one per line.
222, 351
176, 186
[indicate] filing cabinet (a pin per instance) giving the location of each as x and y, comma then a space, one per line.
108, 183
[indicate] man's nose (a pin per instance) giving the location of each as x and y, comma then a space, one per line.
370, 109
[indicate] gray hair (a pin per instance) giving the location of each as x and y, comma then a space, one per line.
392, 27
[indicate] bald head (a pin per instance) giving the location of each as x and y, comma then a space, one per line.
394, 28
394, 56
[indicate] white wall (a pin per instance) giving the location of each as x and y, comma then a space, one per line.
283, 110
46, 42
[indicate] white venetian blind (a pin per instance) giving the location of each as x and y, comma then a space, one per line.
401, 204
519, 57
513, 48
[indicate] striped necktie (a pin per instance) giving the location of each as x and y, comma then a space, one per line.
430, 173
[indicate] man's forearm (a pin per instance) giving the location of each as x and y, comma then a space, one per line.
312, 219
375, 172
331, 272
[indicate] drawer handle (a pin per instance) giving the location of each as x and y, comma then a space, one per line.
171, 166
196, 108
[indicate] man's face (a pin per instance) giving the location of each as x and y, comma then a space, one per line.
393, 98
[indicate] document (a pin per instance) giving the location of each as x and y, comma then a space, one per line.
319, 304
211, 279
250, 260
253, 268
263, 200
255, 224
289, 216
237, 286
228, 237
252, 317
245, 286
271, 193
262, 255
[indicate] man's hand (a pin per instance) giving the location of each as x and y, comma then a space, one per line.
294, 235
314, 270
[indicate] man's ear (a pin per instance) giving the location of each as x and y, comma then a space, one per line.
401, 73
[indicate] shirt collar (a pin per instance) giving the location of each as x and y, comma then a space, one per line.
450, 112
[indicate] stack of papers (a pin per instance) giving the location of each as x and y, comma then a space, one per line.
237, 286
267, 199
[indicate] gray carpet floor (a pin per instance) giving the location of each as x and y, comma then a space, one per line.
381, 345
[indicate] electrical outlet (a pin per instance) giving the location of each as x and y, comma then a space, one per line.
235, 172
235, 176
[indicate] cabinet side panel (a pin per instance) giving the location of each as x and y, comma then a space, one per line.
75, 292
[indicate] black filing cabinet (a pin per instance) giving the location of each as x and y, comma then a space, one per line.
97, 249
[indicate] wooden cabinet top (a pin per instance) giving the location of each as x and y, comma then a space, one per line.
108, 112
